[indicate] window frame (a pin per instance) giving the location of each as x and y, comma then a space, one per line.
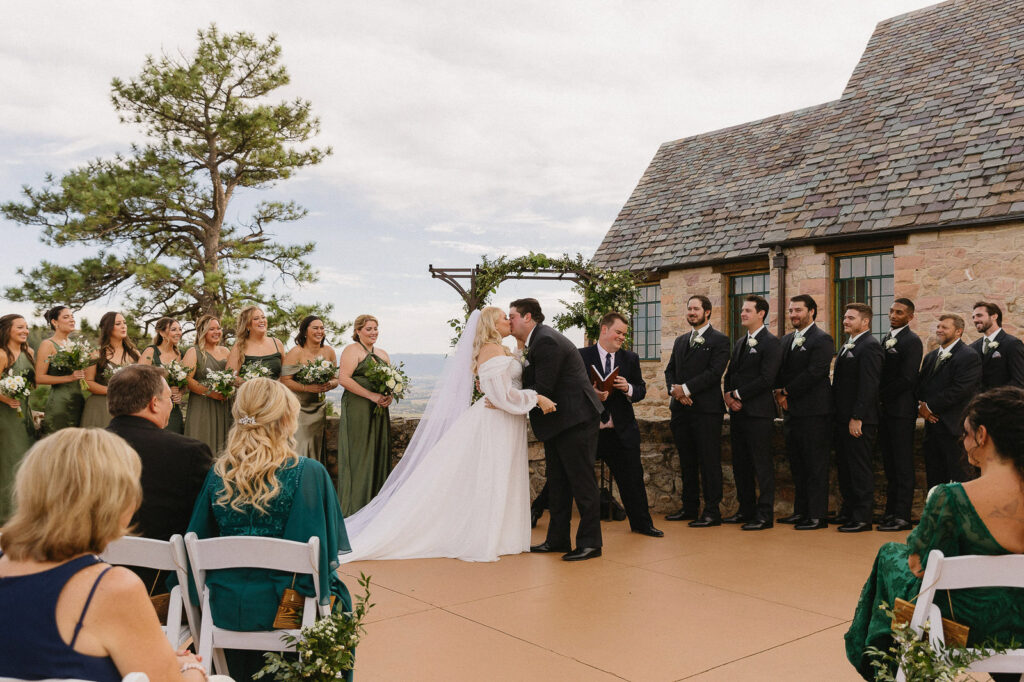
879, 303
643, 348
732, 316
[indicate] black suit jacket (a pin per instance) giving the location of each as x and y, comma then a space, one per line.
952, 385
901, 366
855, 380
701, 369
174, 468
804, 373
620, 405
555, 370
1003, 365
752, 374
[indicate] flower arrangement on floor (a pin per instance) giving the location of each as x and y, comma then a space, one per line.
316, 371
388, 380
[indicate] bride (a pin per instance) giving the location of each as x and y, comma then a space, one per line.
462, 488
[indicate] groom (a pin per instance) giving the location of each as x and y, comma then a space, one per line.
554, 368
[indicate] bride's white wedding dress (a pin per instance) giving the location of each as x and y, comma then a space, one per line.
467, 496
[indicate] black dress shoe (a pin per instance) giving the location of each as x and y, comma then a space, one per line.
736, 518
544, 548
757, 524
534, 518
705, 522
582, 554
854, 527
681, 515
838, 519
792, 519
895, 524
652, 531
811, 524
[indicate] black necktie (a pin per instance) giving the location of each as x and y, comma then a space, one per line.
607, 370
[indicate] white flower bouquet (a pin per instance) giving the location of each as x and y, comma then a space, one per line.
177, 375
315, 372
220, 381
388, 380
74, 356
253, 370
15, 386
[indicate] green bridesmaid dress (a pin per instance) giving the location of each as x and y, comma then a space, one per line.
65, 403
207, 419
96, 415
177, 421
309, 437
17, 434
364, 444
272, 362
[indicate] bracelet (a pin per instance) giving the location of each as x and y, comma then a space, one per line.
185, 667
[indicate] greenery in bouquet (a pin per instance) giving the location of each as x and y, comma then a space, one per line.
74, 356
15, 386
388, 380
110, 370
326, 648
220, 381
316, 371
177, 374
253, 370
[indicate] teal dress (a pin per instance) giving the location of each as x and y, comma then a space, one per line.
177, 421
949, 523
273, 362
364, 444
65, 403
207, 419
246, 599
17, 434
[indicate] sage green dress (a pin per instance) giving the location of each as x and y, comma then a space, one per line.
949, 523
95, 415
207, 419
309, 437
65, 403
177, 421
272, 362
364, 444
17, 434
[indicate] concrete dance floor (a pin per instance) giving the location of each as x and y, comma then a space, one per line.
699, 604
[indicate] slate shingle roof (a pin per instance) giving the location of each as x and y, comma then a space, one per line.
929, 132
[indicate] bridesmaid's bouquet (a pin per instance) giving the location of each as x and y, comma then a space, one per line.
220, 381
74, 356
388, 380
110, 370
177, 375
15, 386
316, 371
253, 370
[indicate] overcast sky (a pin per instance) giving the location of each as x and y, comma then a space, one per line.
459, 128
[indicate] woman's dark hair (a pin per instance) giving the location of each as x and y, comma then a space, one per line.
300, 338
528, 306
106, 349
52, 314
162, 325
999, 410
6, 324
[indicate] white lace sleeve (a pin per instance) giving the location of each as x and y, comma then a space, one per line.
496, 383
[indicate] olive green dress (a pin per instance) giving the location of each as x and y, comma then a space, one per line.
177, 421
207, 419
65, 403
16, 435
309, 437
272, 362
95, 415
364, 444
949, 523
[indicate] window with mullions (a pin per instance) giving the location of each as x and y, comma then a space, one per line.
741, 286
865, 278
647, 323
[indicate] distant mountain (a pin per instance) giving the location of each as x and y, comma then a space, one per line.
423, 370
421, 364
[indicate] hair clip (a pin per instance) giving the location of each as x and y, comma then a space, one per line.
246, 420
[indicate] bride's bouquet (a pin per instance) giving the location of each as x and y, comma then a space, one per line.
177, 375
253, 370
388, 380
220, 381
74, 356
15, 386
316, 371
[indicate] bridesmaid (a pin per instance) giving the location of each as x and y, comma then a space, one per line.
364, 436
164, 351
65, 402
252, 345
16, 433
309, 345
209, 413
116, 351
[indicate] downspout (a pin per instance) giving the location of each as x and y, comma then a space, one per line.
779, 265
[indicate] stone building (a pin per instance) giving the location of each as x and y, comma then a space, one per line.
910, 184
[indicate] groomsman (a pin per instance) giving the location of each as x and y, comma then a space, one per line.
694, 381
804, 393
1002, 355
855, 398
618, 439
898, 418
950, 376
748, 395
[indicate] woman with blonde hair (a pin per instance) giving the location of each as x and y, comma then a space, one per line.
76, 617
259, 486
462, 489
209, 414
253, 346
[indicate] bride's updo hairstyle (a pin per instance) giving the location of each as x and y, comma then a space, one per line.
487, 331
261, 441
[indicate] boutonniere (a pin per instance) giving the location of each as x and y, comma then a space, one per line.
698, 340
799, 341
992, 345
751, 342
889, 343
848, 346
524, 358
943, 356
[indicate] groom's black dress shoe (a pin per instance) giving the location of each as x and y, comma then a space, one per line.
582, 554
895, 524
652, 531
757, 524
544, 548
681, 515
792, 518
705, 522
736, 518
811, 524
854, 527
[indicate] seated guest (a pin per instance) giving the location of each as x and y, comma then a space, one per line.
983, 516
67, 614
259, 486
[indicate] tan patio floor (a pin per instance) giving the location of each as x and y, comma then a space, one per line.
699, 604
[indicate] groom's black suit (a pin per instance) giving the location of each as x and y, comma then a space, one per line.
555, 369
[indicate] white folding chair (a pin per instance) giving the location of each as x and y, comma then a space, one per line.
250, 552
160, 555
959, 573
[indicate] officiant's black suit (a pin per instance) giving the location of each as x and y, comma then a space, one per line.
697, 428
619, 446
1002, 365
947, 390
897, 419
555, 369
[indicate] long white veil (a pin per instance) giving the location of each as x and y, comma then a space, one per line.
451, 397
